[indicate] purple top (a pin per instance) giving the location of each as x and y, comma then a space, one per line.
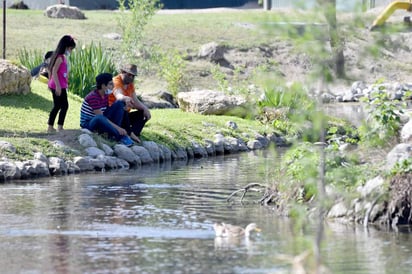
62, 74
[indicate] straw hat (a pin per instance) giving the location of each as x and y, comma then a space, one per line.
132, 69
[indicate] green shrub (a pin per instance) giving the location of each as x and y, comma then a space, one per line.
172, 66
299, 110
30, 58
220, 77
86, 62
383, 122
133, 23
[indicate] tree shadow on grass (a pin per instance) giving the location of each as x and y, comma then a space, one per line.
23, 134
26, 101
67, 137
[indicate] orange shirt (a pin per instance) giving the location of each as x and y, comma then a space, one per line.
118, 84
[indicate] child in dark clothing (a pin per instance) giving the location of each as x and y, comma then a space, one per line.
41, 70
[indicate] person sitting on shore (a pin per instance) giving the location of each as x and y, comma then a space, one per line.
96, 115
136, 114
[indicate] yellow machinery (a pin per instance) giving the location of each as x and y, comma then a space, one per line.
395, 5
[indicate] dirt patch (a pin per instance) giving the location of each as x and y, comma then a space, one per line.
69, 137
370, 56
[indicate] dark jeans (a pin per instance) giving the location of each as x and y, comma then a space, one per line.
60, 104
100, 123
133, 121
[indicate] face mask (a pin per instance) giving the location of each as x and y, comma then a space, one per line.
109, 91
67, 53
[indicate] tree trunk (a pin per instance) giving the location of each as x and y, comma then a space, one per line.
336, 43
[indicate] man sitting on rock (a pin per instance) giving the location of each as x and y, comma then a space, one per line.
96, 115
124, 91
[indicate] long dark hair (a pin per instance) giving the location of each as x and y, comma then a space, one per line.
64, 43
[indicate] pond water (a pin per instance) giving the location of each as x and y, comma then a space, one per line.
159, 219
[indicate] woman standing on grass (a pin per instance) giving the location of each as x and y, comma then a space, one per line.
58, 82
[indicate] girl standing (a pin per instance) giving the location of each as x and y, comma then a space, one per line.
58, 83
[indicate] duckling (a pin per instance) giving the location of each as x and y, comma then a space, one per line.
228, 230
219, 230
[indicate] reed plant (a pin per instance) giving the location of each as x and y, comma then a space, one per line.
86, 62
30, 58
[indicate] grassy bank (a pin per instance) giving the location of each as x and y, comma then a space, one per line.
23, 122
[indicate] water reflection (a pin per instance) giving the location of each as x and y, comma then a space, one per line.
159, 220
353, 112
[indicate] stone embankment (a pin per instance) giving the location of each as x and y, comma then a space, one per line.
98, 155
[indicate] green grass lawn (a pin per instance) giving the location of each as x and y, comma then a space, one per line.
31, 29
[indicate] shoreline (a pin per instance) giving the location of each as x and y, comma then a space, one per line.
99, 155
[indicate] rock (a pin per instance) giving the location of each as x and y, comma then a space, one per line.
143, 154
125, 153
209, 102
86, 140
254, 144
14, 79
338, 210
57, 166
219, 143
72, 168
167, 153
231, 145
406, 132
153, 150
231, 125
9, 171
371, 186
160, 100
210, 147
94, 152
63, 11
113, 36
98, 164
399, 153
107, 149
38, 168
180, 154
262, 139
83, 163
19, 6
110, 162
211, 51
122, 164
6, 146
198, 150
41, 157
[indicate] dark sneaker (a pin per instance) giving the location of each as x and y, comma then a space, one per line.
125, 140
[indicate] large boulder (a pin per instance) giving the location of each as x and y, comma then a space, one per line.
209, 102
63, 11
14, 79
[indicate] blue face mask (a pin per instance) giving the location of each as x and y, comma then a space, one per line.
109, 91
67, 53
